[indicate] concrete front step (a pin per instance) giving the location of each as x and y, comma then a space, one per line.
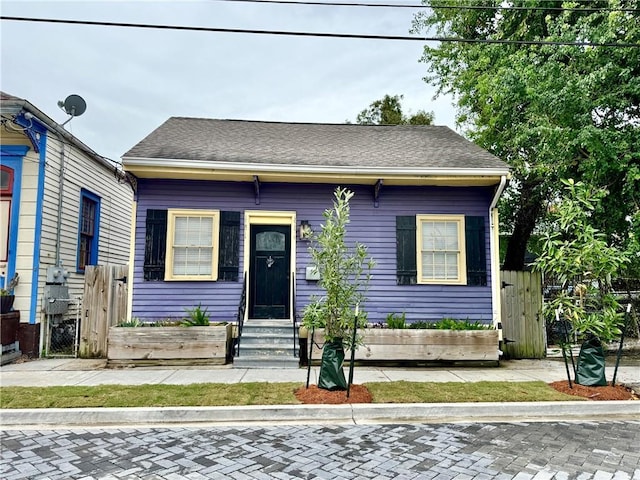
267, 350
252, 338
284, 329
266, 344
261, 361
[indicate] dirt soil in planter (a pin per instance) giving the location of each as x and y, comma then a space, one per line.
360, 393
609, 392
314, 395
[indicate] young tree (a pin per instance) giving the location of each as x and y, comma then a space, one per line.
344, 276
583, 262
579, 257
388, 111
551, 111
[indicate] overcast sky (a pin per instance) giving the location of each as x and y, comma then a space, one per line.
134, 79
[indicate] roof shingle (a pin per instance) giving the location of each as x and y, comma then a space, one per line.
310, 144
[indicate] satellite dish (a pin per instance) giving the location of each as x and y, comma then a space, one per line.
74, 105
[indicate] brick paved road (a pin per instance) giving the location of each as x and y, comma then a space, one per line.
520, 451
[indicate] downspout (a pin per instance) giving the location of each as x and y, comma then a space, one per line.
494, 251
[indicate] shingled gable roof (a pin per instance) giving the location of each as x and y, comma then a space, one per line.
326, 146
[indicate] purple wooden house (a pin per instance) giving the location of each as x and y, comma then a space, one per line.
223, 206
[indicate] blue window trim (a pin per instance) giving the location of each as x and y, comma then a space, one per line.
96, 234
12, 156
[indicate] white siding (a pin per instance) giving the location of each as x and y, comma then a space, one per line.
26, 233
81, 172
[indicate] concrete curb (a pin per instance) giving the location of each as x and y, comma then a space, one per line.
323, 414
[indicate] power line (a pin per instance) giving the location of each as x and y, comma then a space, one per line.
318, 34
437, 7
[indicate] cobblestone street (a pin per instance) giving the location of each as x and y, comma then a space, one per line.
521, 451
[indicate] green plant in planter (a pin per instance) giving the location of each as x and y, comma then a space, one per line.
580, 258
450, 324
134, 322
457, 324
344, 276
7, 294
396, 321
197, 317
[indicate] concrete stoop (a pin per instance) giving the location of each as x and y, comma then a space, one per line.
267, 344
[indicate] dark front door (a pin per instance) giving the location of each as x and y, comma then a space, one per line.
269, 271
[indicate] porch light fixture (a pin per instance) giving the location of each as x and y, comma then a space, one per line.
305, 230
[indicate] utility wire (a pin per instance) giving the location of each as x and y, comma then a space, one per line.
318, 34
437, 7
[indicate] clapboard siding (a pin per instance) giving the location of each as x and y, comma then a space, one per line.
375, 227
26, 234
82, 172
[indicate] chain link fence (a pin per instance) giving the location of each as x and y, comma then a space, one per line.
63, 330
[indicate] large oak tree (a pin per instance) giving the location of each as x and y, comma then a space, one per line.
551, 111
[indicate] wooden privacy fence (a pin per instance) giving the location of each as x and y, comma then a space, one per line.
522, 320
104, 304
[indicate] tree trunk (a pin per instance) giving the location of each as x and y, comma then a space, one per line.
531, 203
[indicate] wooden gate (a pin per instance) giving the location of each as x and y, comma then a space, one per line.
522, 321
104, 304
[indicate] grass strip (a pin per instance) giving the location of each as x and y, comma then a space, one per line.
455, 392
260, 393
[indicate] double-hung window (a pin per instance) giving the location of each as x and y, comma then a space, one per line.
88, 230
441, 249
192, 245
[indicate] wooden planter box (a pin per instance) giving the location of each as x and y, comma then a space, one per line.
423, 345
170, 345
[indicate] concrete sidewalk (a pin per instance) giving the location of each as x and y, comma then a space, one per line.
68, 372
49, 372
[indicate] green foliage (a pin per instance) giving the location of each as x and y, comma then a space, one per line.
134, 322
579, 257
344, 276
550, 111
457, 324
197, 317
396, 321
450, 324
388, 111
11, 284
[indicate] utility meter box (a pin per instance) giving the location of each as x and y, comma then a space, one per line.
56, 299
57, 275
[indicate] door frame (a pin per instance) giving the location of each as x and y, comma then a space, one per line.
266, 217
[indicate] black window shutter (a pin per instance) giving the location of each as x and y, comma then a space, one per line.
476, 252
155, 244
229, 256
407, 272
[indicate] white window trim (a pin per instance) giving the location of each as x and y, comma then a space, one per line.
462, 258
171, 220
